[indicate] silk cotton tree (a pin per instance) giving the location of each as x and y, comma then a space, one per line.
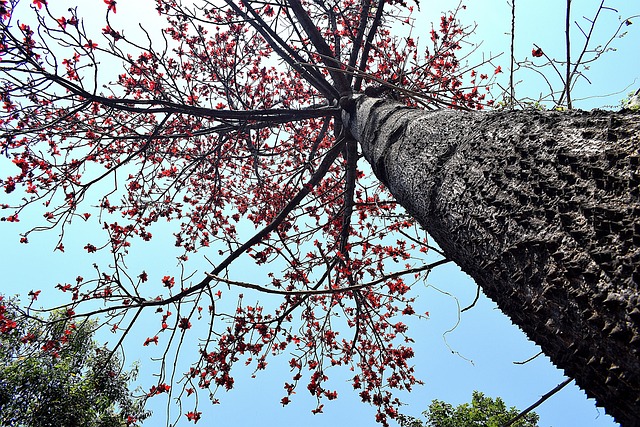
245, 126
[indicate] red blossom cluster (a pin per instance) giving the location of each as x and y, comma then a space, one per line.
193, 416
9, 325
160, 388
437, 72
6, 324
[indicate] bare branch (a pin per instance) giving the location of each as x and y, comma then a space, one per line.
538, 402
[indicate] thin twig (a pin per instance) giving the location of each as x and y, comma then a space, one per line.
567, 82
512, 89
475, 300
528, 360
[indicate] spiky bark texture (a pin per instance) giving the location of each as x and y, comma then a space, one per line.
542, 209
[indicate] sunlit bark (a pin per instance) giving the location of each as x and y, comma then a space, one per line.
542, 209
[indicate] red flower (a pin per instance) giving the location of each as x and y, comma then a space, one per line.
537, 52
7, 325
184, 323
151, 340
39, 3
64, 288
111, 32
112, 5
161, 388
90, 248
193, 416
28, 338
498, 70
167, 281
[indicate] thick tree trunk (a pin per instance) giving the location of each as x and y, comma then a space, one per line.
542, 209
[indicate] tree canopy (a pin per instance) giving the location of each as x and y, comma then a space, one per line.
53, 374
482, 411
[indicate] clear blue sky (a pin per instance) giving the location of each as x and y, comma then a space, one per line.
477, 355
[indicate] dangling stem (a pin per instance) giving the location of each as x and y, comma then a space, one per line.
567, 80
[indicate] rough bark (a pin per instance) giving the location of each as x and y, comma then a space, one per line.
542, 209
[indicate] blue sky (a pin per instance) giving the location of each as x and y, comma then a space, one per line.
478, 354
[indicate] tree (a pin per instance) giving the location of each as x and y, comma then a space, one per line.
483, 411
560, 191
243, 125
45, 383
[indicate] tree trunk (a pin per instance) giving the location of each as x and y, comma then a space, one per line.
542, 209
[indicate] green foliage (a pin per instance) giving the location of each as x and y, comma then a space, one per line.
481, 412
53, 374
632, 101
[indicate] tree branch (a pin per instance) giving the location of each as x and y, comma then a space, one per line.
328, 57
538, 402
290, 56
367, 46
